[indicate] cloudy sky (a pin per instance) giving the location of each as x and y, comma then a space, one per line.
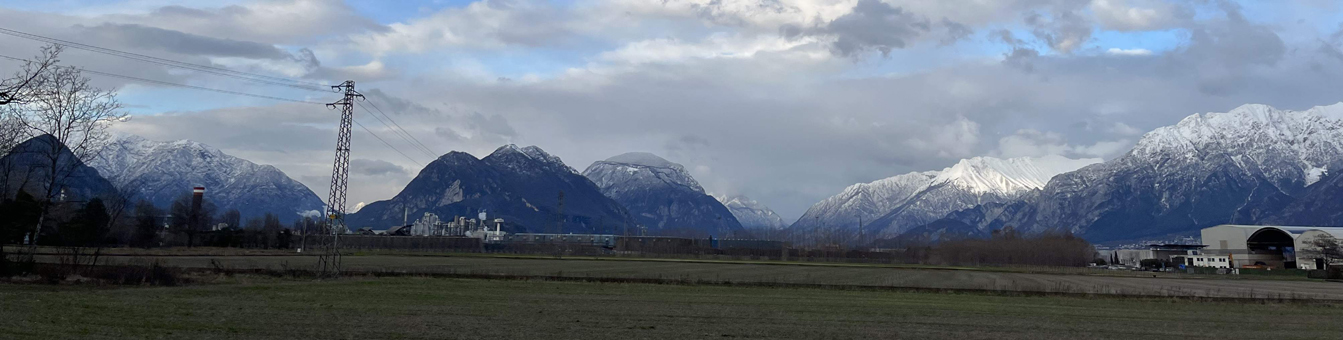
786, 101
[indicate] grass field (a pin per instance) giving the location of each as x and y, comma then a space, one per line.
759, 273
428, 308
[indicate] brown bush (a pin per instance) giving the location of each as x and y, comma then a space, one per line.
1009, 248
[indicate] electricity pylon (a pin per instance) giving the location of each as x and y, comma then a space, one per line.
329, 262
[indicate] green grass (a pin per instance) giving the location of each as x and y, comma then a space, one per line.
423, 308
755, 273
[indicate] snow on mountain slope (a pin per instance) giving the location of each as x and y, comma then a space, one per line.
865, 201
1242, 166
160, 172
988, 175
1285, 144
896, 203
752, 214
661, 194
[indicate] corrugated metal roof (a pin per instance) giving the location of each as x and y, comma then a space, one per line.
1292, 230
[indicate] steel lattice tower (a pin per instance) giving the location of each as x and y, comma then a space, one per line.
329, 262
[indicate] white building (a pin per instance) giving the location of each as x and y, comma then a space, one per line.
1211, 261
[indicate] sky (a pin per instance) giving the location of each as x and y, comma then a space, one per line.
784, 101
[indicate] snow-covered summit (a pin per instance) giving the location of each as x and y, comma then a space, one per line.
1290, 145
661, 194
532, 153
1007, 176
930, 194
639, 166
752, 214
160, 172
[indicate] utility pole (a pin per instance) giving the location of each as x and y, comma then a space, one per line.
862, 235
559, 215
329, 262
559, 224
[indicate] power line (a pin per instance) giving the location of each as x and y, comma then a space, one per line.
160, 82
384, 142
375, 135
402, 133
254, 77
417, 140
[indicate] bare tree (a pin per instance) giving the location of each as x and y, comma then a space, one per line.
21, 86
1324, 247
183, 221
147, 225
17, 90
63, 104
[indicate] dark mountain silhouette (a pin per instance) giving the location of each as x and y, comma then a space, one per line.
28, 167
520, 185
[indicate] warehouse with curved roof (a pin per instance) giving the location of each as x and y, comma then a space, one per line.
1275, 246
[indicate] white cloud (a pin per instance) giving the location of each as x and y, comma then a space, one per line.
715, 46
1139, 15
1034, 143
489, 24
1104, 149
1129, 52
1120, 128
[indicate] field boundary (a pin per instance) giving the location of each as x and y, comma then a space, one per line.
351, 274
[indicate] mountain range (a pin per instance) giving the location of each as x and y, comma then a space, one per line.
661, 195
523, 186
160, 172
890, 206
1253, 164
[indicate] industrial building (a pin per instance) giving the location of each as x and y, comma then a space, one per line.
1175, 253
1274, 246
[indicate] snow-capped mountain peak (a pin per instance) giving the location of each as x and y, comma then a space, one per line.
532, 153
1007, 176
661, 194
1285, 145
160, 172
752, 214
639, 166
920, 196
1254, 164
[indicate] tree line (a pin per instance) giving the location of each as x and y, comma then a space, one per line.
97, 224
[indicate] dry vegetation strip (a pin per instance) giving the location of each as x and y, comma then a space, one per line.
423, 308
808, 275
